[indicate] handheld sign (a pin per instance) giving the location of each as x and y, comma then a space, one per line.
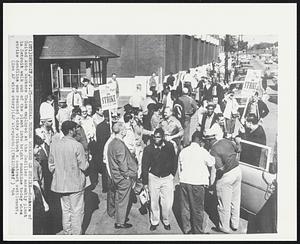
108, 96
252, 82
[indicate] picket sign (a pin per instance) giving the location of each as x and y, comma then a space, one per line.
108, 98
252, 82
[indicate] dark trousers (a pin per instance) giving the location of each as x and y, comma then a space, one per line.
123, 190
192, 207
104, 179
186, 127
111, 196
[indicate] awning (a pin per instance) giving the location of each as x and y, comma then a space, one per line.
72, 47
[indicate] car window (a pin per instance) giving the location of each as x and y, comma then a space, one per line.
256, 155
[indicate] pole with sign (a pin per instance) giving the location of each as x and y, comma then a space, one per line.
108, 98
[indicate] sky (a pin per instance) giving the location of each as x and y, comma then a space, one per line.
253, 39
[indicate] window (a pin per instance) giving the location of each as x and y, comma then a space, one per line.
68, 73
256, 154
55, 76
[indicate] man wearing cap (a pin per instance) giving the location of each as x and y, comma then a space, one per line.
190, 107
87, 92
63, 113
228, 181
47, 111
68, 164
74, 98
194, 176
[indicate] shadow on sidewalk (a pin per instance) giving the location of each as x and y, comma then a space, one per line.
92, 201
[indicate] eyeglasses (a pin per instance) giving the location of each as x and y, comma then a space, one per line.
157, 137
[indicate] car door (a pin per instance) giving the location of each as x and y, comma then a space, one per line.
257, 181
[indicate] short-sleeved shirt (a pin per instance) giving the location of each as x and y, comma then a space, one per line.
171, 126
225, 153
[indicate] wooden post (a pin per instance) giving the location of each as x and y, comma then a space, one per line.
110, 121
104, 70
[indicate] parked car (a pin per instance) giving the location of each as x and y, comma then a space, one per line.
268, 61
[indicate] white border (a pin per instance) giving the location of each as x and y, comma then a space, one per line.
278, 19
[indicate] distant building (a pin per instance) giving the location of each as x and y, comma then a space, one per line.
61, 61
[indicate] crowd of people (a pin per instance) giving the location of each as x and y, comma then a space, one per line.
147, 150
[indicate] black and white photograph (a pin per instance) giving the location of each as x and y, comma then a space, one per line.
148, 134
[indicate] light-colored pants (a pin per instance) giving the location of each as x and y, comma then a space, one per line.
229, 198
72, 205
161, 188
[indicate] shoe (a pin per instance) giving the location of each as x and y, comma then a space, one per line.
167, 227
153, 227
234, 229
123, 226
217, 229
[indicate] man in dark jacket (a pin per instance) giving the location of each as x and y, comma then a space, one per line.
102, 135
258, 107
159, 165
123, 169
254, 133
178, 107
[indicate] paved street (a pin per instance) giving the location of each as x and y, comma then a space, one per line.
97, 222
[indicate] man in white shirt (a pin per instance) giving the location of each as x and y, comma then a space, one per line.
230, 111
194, 176
218, 129
47, 111
115, 82
74, 99
137, 98
87, 124
87, 92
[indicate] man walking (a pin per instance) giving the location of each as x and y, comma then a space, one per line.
159, 165
123, 170
68, 163
194, 176
190, 107
228, 182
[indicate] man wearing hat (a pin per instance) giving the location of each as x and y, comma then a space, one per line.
190, 107
228, 181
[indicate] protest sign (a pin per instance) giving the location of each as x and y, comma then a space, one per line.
108, 96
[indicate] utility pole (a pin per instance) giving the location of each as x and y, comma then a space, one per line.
226, 57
